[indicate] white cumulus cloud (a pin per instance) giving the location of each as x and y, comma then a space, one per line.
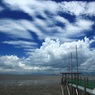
52, 55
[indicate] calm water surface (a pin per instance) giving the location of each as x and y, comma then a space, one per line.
28, 80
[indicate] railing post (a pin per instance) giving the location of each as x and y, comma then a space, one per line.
84, 86
62, 80
87, 81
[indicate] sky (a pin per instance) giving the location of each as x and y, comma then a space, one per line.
38, 36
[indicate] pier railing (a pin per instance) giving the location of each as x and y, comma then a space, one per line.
72, 84
89, 83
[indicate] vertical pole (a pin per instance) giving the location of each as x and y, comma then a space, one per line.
77, 79
71, 64
77, 58
71, 73
84, 86
80, 79
62, 80
62, 92
87, 81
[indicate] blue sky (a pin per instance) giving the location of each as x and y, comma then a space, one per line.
37, 36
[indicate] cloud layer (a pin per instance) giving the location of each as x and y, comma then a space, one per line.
79, 8
47, 21
53, 56
58, 26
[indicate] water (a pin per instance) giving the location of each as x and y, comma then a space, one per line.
33, 80
26, 82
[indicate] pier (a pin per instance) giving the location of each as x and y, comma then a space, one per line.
73, 83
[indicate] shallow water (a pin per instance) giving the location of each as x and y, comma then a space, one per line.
27, 82
33, 80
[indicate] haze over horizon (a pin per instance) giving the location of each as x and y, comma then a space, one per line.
38, 36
